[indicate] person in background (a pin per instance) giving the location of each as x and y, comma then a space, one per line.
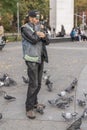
62, 32
83, 35
73, 34
34, 44
2, 36
1, 30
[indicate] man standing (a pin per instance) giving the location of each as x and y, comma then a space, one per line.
34, 54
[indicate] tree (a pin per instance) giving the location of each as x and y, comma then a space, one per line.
8, 6
41, 5
81, 5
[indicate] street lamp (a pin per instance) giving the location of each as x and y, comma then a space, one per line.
18, 28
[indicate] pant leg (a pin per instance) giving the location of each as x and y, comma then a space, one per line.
32, 70
40, 73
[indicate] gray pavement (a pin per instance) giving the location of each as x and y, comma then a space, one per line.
66, 61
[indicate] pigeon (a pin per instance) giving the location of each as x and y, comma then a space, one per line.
62, 105
69, 116
44, 71
1, 83
0, 116
74, 82
8, 97
2, 92
62, 94
53, 102
72, 86
7, 81
84, 115
40, 110
59, 100
81, 103
49, 83
45, 76
50, 86
25, 80
85, 94
69, 99
75, 125
3, 77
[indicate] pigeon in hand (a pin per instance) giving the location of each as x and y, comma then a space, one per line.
25, 80
69, 116
9, 98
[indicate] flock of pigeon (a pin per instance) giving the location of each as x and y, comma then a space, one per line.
6, 81
62, 101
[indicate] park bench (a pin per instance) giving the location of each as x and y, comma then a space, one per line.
11, 36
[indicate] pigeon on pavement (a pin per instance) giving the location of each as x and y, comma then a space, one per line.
72, 86
0, 116
7, 81
69, 116
62, 105
62, 94
8, 97
75, 125
25, 80
1, 83
81, 103
84, 115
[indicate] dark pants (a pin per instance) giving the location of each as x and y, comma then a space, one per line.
34, 71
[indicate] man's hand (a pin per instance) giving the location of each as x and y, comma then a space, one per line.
40, 34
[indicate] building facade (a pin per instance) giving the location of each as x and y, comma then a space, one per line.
62, 13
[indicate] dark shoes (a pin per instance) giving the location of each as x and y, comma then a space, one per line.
31, 114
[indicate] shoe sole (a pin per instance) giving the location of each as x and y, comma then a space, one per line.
31, 117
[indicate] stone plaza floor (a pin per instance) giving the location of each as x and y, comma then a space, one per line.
66, 61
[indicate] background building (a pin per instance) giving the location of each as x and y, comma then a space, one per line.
62, 13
